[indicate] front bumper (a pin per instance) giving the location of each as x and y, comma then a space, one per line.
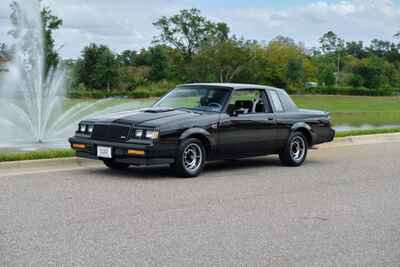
152, 154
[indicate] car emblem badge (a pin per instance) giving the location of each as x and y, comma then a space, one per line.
214, 126
123, 137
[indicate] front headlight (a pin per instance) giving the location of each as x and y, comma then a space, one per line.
138, 133
151, 134
86, 129
82, 128
146, 134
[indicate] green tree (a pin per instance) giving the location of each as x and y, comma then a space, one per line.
50, 24
188, 30
326, 74
222, 62
159, 62
98, 67
331, 43
295, 72
284, 40
379, 48
356, 49
372, 71
127, 58
282, 63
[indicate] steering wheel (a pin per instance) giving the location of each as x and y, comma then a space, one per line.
214, 105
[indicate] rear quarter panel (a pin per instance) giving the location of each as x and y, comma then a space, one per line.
318, 122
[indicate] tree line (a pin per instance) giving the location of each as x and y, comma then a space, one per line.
192, 48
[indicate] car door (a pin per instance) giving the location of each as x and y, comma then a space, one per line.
284, 119
246, 129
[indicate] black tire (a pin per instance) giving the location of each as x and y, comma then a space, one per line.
190, 151
112, 164
295, 152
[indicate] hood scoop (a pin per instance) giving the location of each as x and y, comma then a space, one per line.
157, 110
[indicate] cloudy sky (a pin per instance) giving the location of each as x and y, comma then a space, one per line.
127, 24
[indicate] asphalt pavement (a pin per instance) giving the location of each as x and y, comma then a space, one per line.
341, 208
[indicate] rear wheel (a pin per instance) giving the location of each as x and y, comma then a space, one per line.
190, 158
112, 164
295, 152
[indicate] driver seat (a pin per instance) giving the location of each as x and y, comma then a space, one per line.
204, 101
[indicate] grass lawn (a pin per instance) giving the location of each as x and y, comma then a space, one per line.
345, 110
45, 154
367, 132
349, 104
355, 110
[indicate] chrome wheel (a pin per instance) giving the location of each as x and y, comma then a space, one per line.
192, 157
297, 148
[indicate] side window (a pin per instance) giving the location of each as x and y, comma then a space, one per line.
247, 102
276, 101
287, 101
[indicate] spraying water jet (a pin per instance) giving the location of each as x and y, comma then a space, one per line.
32, 102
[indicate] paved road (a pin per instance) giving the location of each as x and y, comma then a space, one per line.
341, 208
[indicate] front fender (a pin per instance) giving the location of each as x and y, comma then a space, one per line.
199, 132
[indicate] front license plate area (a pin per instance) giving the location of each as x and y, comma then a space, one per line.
104, 152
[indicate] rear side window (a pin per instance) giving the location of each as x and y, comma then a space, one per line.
288, 103
276, 101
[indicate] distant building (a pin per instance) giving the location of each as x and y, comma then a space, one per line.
308, 85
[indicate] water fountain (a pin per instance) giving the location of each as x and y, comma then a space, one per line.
29, 101
32, 107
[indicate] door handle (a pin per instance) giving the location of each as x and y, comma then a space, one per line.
270, 118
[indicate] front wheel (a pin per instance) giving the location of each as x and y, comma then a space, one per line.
190, 158
112, 164
295, 152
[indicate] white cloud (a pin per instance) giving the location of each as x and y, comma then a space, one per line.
127, 24
353, 20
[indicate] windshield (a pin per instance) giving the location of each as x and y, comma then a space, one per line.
199, 98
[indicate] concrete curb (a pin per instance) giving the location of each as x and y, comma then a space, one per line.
74, 163
48, 163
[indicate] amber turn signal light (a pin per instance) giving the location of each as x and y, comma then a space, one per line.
78, 146
136, 152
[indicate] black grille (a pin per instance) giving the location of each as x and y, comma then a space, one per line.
110, 133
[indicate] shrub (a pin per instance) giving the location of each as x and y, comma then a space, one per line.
150, 90
359, 91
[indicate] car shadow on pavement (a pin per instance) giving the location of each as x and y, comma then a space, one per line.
242, 164
214, 167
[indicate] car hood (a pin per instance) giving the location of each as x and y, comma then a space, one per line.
145, 117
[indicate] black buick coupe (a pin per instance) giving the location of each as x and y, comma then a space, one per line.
198, 122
